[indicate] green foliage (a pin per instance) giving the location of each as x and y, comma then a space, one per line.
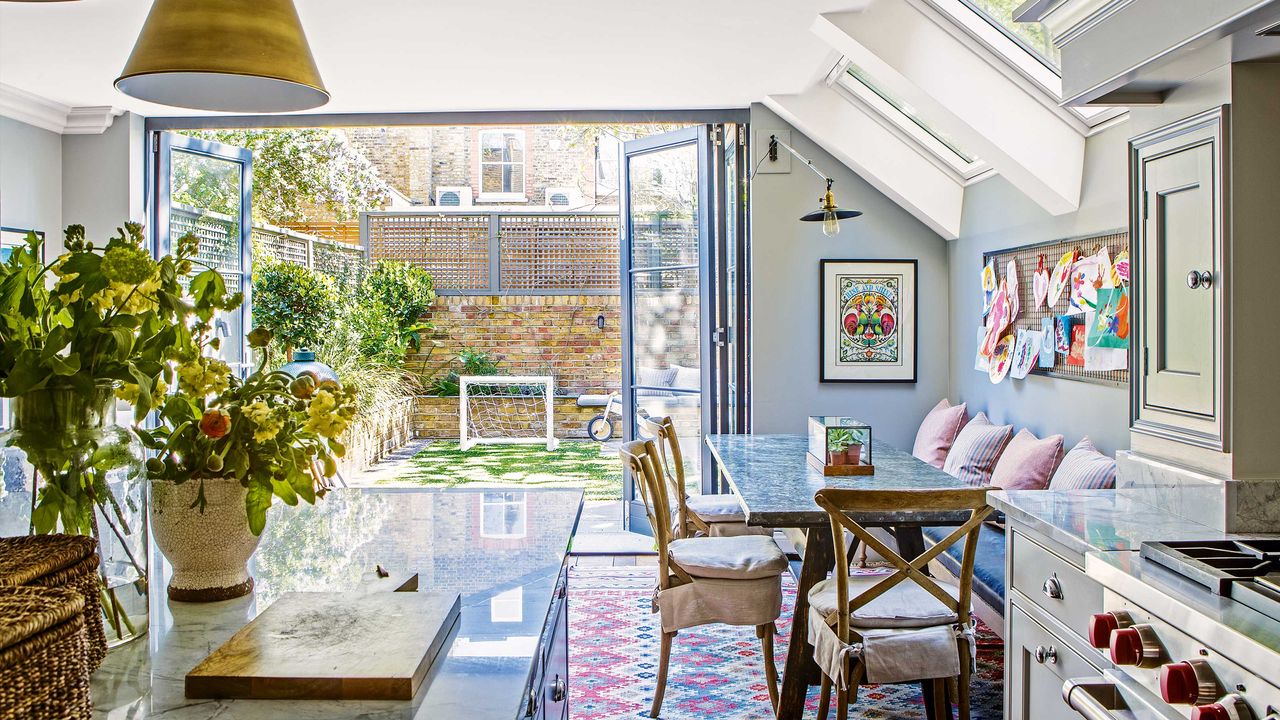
293, 169
373, 329
406, 290
296, 304
474, 362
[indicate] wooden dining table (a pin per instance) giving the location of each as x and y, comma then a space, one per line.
775, 485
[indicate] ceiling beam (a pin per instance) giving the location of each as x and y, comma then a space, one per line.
961, 94
891, 165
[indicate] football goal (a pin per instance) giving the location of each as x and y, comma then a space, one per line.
506, 410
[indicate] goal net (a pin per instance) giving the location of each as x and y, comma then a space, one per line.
506, 410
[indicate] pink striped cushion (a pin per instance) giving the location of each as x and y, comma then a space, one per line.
938, 432
1028, 462
974, 454
1084, 468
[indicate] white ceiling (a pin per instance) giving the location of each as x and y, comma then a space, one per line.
436, 55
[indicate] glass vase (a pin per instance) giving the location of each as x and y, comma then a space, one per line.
69, 467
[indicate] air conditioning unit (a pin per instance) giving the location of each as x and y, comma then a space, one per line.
454, 196
564, 198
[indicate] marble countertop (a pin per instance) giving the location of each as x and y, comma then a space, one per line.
501, 549
1096, 520
775, 482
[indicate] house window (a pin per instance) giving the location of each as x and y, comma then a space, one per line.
503, 515
502, 165
1031, 36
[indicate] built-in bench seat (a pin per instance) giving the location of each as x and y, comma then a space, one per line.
988, 565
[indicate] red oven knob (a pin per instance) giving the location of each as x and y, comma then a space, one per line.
1101, 625
1136, 645
1231, 707
1188, 683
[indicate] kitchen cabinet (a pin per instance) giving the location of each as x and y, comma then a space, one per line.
1179, 240
1039, 662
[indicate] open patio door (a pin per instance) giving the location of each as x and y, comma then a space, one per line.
206, 188
670, 217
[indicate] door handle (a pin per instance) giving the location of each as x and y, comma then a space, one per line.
1052, 587
1199, 279
1092, 698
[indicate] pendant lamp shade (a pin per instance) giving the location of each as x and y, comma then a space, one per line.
224, 55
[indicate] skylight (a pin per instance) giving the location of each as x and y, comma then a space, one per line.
1032, 36
861, 77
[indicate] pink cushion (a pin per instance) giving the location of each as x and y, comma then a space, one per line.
938, 432
1027, 462
974, 454
1084, 468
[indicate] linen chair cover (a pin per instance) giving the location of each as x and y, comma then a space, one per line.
901, 625
703, 580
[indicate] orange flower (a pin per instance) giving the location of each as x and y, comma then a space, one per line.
215, 423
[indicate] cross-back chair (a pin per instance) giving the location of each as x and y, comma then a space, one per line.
884, 628
714, 515
706, 580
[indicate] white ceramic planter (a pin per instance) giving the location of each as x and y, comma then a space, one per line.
209, 550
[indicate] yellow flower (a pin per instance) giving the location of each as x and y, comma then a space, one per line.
128, 392
267, 421
330, 411
204, 376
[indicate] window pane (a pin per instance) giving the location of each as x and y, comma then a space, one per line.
1033, 36
910, 112
664, 208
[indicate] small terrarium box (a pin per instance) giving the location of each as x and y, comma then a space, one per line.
840, 445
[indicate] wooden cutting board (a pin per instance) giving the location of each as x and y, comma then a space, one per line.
331, 646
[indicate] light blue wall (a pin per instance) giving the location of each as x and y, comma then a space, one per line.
785, 289
31, 180
996, 216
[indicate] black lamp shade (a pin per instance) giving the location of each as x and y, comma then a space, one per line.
820, 215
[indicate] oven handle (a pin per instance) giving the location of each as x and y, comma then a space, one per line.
1093, 698
1101, 698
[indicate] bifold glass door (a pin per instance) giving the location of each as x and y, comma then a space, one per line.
206, 188
671, 218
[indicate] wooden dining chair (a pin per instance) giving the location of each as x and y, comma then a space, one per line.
861, 626
706, 580
714, 515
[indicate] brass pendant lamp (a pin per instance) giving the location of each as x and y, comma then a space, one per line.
244, 56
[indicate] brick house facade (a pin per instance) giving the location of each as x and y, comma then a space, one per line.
417, 161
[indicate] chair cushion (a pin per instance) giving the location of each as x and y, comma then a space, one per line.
1084, 468
938, 432
974, 454
686, 378
654, 378
746, 557
906, 605
717, 508
1027, 462
988, 561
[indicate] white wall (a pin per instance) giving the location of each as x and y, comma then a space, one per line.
997, 216
785, 303
102, 177
31, 180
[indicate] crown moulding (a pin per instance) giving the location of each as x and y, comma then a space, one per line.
27, 107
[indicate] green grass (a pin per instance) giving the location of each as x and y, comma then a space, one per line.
573, 464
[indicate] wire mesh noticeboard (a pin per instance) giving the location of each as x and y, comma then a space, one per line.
1030, 317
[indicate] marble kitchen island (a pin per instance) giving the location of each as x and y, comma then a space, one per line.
502, 549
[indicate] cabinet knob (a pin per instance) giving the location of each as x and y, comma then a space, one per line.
1052, 587
1199, 279
1047, 654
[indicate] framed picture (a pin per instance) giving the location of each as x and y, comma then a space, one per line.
11, 238
869, 329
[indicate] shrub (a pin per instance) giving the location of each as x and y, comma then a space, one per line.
474, 362
296, 304
374, 330
407, 290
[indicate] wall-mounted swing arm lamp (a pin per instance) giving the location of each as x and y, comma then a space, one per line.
827, 213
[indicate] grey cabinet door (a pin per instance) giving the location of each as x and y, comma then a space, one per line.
1038, 663
1178, 283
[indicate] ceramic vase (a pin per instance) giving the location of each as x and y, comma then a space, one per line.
210, 546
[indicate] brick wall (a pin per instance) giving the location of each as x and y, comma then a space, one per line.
530, 335
437, 418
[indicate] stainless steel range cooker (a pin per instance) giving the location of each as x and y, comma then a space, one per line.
1190, 629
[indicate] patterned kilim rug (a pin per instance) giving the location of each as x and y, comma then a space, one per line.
716, 670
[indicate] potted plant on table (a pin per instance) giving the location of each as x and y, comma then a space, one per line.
226, 447
95, 325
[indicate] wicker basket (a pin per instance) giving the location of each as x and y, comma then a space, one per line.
54, 561
43, 656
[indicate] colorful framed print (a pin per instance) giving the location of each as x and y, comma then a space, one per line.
11, 238
868, 321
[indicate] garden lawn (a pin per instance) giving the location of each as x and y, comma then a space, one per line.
572, 464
